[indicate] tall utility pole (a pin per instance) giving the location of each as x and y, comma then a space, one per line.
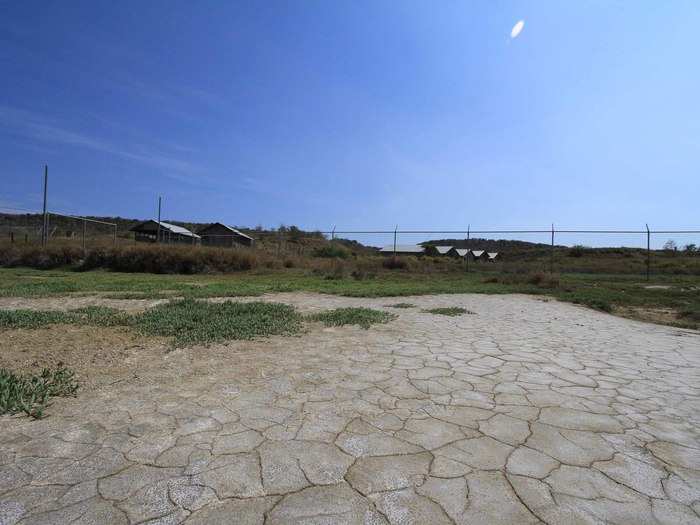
158, 229
44, 229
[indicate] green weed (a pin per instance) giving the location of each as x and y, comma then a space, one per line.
31, 393
451, 311
365, 317
91, 316
401, 305
189, 321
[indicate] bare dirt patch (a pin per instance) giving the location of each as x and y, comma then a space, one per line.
74, 302
667, 316
98, 355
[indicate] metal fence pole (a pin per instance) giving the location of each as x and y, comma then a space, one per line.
648, 252
158, 227
466, 255
395, 229
551, 253
84, 231
115, 235
44, 230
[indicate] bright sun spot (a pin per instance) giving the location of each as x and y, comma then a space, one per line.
517, 28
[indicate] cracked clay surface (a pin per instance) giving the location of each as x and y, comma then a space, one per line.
527, 412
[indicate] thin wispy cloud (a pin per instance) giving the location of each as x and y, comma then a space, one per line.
37, 128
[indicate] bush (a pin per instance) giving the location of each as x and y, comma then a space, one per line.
577, 251
331, 251
42, 258
539, 279
170, 259
394, 263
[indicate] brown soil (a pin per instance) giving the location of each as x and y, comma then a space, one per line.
667, 316
98, 355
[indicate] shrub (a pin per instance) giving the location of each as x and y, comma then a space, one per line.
39, 257
170, 259
577, 251
331, 250
394, 263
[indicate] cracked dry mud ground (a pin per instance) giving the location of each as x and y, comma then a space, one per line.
528, 411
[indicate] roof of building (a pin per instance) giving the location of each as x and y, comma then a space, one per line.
403, 248
477, 253
179, 230
442, 250
231, 228
492, 255
462, 251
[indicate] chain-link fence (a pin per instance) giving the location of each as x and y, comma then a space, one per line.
24, 227
643, 251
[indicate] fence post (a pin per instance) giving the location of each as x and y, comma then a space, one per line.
648, 252
115, 235
44, 230
84, 228
397, 227
158, 227
333, 234
466, 255
12, 237
551, 253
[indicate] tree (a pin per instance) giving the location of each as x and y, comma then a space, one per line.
690, 248
671, 245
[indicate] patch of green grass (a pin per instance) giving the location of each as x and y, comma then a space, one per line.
451, 311
189, 321
680, 292
365, 317
31, 318
31, 393
401, 305
90, 315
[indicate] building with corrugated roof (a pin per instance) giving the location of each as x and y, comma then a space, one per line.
219, 234
154, 231
403, 249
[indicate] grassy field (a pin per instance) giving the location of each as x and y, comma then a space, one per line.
671, 300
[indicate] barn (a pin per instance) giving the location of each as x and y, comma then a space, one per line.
219, 234
149, 231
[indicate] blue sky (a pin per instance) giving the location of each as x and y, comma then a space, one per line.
355, 114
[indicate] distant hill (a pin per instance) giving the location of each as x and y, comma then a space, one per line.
491, 245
